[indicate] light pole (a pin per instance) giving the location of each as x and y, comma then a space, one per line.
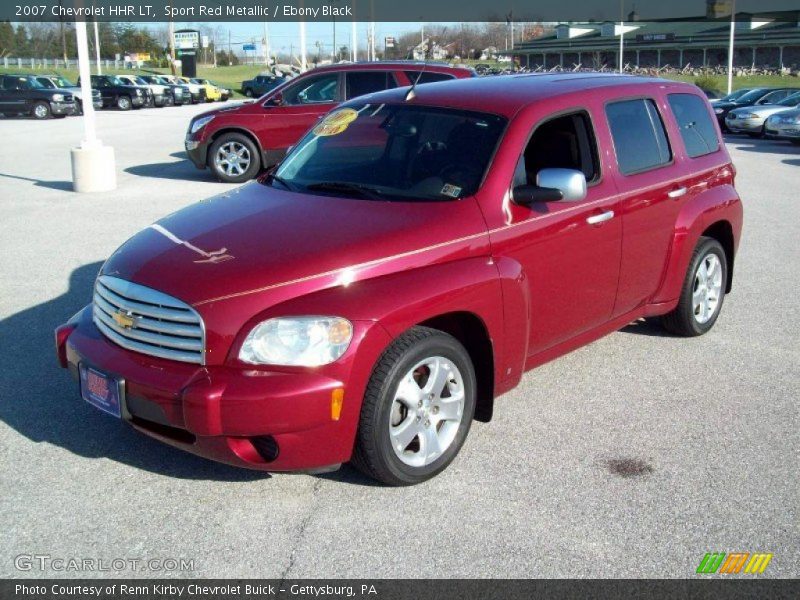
730, 46
93, 168
621, 33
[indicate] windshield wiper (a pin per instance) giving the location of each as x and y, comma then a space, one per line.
344, 186
282, 181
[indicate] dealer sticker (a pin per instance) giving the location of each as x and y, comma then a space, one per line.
451, 190
336, 122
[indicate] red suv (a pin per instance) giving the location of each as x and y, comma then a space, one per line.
237, 142
411, 257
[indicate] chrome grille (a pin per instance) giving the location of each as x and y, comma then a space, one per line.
144, 320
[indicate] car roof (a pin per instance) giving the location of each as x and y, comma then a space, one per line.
507, 94
398, 65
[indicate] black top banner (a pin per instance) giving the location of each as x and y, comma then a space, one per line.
443, 11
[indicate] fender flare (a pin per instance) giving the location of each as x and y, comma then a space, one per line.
717, 204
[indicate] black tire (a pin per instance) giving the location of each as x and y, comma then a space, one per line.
248, 92
759, 134
795, 142
41, 110
682, 320
373, 454
124, 102
254, 154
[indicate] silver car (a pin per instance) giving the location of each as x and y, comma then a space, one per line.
784, 125
751, 119
56, 81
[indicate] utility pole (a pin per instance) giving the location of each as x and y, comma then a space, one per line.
303, 62
730, 46
266, 44
354, 43
621, 34
335, 55
63, 34
230, 54
172, 68
97, 48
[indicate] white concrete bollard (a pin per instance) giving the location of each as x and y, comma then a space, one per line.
93, 169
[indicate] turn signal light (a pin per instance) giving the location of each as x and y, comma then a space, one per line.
337, 399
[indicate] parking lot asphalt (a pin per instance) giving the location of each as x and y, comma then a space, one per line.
631, 457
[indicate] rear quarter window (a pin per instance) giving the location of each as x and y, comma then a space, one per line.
427, 77
694, 121
640, 141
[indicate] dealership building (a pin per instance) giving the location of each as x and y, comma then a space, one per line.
769, 40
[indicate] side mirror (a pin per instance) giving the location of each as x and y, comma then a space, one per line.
553, 185
570, 182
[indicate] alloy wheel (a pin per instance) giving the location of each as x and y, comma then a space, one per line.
707, 289
232, 158
427, 411
40, 111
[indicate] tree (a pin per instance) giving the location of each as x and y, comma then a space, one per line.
6, 39
21, 41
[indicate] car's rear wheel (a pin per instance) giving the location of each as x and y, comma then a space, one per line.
703, 291
417, 409
123, 103
41, 110
234, 158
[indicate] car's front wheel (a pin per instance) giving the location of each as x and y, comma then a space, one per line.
234, 158
41, 110
124, 103
417, 410
703, 291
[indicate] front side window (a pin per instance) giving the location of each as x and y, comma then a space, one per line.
360, 83
313, 90
393, 152
565, 142
697, 130
774, 97
640, 141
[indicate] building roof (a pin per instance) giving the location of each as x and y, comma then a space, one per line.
761, 29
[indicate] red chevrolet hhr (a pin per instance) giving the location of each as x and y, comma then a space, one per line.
410, 258
236, 142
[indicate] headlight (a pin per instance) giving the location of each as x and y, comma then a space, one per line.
200, 123
297, 341
719, 111
138, 92
749, 116
58, 97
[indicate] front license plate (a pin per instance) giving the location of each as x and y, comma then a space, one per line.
100, 390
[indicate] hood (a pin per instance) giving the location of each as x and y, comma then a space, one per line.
788, 112
761, 111
258, 237
221, 110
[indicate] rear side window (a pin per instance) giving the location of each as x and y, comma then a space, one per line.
640, 140
697, 130
367, 82
427, 77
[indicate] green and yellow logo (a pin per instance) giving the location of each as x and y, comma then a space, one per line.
733, 563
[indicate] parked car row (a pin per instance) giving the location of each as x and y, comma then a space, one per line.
236, 142
415, 252
761, 111
45, 96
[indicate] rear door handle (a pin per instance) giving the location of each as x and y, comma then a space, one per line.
677, 193
601, 218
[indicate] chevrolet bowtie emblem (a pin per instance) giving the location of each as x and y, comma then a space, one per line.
124, 319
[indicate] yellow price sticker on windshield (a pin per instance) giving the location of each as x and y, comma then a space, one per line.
336, 122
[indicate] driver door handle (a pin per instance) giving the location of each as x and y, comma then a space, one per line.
677, 193
601, 218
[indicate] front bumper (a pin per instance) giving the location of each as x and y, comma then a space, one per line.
63, 108
138, 100
159, 100
744, 125
265, 420
783, 131
197, 151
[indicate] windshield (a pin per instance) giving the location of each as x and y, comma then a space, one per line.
139, 80
792, 100
45, 82
393, 152
117, 81
62, 83
752, 95
734, 95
